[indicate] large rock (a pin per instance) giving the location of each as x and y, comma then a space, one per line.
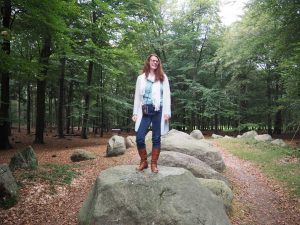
7, 181
263, 137
221, 189
197, 134
81, 155
181, 142
249, 134
279, 142
26, 159
228, 137
130, 141
194, 165
216, 136
8, 185
148, 142
115, 146
173, 196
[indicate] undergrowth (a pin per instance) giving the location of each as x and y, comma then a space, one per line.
54, 174
279, 163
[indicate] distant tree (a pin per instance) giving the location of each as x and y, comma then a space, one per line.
6, 11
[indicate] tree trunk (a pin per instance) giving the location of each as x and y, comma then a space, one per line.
87, 93
49, 121
102, 100
278, 115
4, 106
216, 122
19, 107
69, 108
60, 116
87, 102
28, 113
41, 92
269, 97
97, 119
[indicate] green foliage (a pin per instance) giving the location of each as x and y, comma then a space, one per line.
258, 58
220, 77
279, 163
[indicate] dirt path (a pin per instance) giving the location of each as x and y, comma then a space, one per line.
258, 200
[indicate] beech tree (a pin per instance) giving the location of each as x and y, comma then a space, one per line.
6, 10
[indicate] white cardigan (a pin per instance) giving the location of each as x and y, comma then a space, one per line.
138, 101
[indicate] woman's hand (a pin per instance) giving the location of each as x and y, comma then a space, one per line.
134, 117
166, 117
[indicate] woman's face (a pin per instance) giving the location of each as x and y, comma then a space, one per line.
154, 62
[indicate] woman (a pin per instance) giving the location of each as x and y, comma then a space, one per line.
152, 105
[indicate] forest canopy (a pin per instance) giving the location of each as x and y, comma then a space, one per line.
71, 66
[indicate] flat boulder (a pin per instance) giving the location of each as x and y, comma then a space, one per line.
248, 134
115, 146
181, 142
216, 136
263, 137
81, 155
279, 142
173, 196
195, 166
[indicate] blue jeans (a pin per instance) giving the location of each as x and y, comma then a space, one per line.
142, 131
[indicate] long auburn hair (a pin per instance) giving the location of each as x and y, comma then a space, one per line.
159, 72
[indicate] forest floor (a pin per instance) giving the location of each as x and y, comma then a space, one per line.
257, 199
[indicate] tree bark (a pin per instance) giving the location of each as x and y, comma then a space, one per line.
87, 92
4, 106
278, 114
41, 92
269, 99
19, 107
87, 102
69, 108
61, 100
102, 100
216, 123
28, 113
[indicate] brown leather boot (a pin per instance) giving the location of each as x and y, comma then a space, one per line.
155, 156
143, 164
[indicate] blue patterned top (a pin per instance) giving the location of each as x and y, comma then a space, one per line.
148, 93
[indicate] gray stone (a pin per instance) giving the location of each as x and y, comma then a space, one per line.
8, 185
115, 146
228, 137
194, 165
148, 141
81, 155
249, 134
26, 159
181, 142
149, 136
130, 142
279, 142
221, 189
216, 136
197, 134
263, 137
173, 196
